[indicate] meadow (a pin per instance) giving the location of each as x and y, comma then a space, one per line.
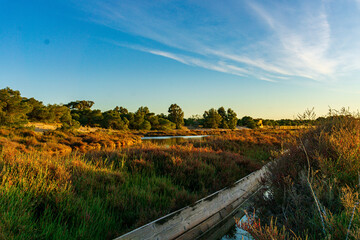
99, 185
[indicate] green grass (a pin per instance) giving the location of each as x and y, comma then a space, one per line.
103, 194
68, 198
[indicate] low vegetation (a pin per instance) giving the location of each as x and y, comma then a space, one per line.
99, 185
58, 142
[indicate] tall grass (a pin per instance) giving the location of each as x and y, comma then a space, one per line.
104, 194
313, 190
91, 193
261, 145
69, 198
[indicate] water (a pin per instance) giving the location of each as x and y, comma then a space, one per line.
236, 233
228, 229
172, 140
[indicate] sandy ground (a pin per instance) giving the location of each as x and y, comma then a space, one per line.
43, 127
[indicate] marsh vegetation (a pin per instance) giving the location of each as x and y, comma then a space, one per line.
313, 189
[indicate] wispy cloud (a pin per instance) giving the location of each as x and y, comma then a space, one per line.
191, 61
266, 41
304, 46
267, 79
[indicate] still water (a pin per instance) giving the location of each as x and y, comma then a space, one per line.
228, 229
172, 140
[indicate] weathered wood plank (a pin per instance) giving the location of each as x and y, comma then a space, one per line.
192, 221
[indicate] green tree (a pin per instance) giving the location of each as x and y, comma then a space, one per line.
212, 119
176, 115
112, 119
80, 105
145, 125
121, 110
194, 121
39, 112
13, 109
136, 120
139, 117
81, 111
248, 122
68, 122
224, 118
153, 119
165, 124
231, 119
56, 112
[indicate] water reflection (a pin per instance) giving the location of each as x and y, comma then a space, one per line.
228, 229
236, 233
173, 140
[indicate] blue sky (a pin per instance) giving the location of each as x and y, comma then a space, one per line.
270, 59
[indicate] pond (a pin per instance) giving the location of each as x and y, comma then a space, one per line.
172, 140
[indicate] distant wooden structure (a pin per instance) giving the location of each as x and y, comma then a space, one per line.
259, 123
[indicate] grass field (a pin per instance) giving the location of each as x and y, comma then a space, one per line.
99, 185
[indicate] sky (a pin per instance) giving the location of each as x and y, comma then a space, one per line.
268, 59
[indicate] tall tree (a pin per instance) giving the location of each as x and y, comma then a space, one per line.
212, 118
176, 115
13, 109
231, 119
139, 118
224, 118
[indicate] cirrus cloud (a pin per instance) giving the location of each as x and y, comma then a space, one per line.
267, 41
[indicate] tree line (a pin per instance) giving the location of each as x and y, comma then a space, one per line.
16, 110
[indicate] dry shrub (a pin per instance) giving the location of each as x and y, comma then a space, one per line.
261, 231
314, 187
61, 142
4, 132
55, 148
31, 141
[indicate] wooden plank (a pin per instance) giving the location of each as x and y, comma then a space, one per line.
192, 221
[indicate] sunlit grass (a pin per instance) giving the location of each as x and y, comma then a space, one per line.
102, 193
313, 190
